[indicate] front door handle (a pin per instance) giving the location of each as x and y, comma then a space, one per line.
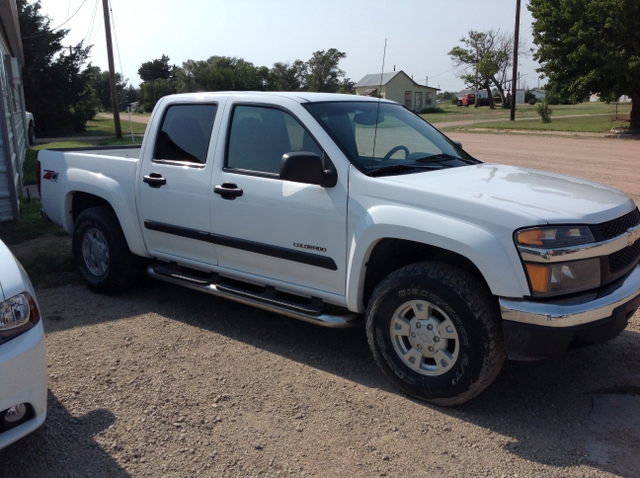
228, 191
155, 180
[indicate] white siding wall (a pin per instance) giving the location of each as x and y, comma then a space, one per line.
12, 136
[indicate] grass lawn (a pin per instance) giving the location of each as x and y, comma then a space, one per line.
104, 127
448, 112
580, 124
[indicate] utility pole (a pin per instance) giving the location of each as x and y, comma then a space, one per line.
112, 71
516, 40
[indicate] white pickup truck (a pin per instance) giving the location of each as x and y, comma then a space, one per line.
336, 209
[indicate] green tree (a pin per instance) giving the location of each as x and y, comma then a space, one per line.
323, 73
101, 84
158, 69
222, 73
484, 60
289, 76
57, 89
158, 80
590, 46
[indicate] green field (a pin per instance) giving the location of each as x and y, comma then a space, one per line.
576, 124
451, 113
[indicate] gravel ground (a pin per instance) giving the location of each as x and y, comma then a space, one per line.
163, 381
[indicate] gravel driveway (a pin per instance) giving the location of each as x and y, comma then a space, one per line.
164, 381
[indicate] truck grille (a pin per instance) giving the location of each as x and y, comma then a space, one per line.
610, 229
624, 258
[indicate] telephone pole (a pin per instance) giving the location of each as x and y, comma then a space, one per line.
516, 40
112, 71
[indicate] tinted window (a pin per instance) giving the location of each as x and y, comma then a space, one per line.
376, 136
260, 136
185, 133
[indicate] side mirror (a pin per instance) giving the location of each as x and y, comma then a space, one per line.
458, 144
306, 167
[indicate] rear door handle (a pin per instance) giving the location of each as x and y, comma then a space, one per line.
155, 180
228, 191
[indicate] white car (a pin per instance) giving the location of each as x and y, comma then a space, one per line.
23, 361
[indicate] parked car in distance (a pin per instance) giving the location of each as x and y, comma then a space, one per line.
466, 100
23, 361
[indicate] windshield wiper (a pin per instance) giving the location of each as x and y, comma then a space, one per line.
398, 168
390, 169
435, 158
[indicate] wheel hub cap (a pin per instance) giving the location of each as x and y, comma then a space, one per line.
95, 251
424, 337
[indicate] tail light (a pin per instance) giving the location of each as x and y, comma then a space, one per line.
38, 178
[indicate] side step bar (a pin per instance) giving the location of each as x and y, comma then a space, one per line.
267, 300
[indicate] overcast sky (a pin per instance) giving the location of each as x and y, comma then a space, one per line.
419, 33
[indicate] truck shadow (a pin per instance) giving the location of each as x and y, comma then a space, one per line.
63, 446
580, 409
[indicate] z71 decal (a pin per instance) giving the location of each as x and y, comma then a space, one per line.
50, 175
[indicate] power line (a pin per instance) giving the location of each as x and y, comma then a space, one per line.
115, 34
69, 19
87, 37
440, 74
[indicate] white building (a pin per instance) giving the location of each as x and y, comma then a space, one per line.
398, 87
13, 134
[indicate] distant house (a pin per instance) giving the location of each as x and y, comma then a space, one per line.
399, 87
539, 93
13, 137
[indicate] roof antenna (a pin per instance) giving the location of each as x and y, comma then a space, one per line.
375, 133
384, 55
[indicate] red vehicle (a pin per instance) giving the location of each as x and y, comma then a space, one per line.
466, 100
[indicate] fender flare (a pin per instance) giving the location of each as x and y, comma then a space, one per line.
500, 266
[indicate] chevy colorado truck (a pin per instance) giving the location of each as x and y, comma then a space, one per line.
339, 210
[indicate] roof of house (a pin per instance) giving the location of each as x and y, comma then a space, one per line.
377, 79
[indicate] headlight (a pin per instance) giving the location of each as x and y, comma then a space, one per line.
554, 237
17, 315
543, 249
563, 277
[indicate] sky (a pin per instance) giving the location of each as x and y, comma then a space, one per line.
418, 33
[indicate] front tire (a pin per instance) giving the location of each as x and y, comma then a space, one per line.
434, 330
101, 252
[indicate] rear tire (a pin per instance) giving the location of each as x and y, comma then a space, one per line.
101, 253
434, 331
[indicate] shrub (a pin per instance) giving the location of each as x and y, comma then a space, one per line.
544, 110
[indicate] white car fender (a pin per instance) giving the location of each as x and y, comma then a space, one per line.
499, 265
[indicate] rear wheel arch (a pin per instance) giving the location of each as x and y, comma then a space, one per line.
81, 201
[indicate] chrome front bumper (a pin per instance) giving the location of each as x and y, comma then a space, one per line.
578, 312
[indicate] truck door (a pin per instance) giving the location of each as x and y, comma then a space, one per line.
269, 230
174, 192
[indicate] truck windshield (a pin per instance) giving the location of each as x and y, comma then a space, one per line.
382, 138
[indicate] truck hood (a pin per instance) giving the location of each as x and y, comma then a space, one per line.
512, 196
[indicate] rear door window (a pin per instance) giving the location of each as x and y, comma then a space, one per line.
185, 133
